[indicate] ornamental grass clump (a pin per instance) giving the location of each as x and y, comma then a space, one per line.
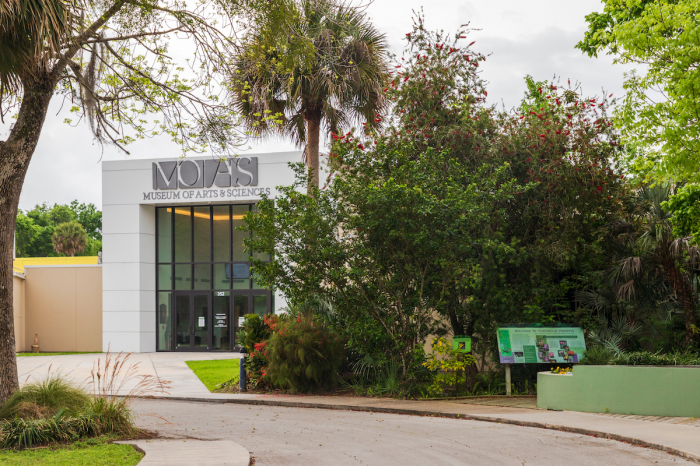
23, 433
115, 383
303, 355
44, 399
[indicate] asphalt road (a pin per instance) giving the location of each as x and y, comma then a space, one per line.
298, 436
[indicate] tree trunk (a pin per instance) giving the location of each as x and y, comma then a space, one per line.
313, 132
15, 154
457, 327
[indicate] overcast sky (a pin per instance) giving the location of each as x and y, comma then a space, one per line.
535, 37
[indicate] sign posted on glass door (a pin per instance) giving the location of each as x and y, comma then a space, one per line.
540, 345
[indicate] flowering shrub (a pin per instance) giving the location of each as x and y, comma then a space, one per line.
449, 364
303, 355
256, 330
561, 370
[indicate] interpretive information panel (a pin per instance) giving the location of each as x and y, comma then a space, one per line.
540, 345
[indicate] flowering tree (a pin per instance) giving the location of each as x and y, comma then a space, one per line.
558, 145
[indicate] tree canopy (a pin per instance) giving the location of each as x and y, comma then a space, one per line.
35, 228
661, 106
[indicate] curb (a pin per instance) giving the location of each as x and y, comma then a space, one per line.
418, 412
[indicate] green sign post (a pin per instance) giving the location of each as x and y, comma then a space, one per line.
462, 344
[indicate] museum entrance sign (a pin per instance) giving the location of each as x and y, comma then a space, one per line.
548, 345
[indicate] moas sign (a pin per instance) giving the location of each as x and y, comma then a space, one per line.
216, 179
187, 174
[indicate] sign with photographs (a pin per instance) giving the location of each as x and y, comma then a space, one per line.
548, 345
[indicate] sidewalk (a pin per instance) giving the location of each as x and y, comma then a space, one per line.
186, 452
681, 439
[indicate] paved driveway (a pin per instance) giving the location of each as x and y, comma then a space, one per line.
298, 436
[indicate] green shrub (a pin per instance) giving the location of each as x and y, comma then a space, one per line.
303, 355
645, 358
491, 382
597, 355
44, 399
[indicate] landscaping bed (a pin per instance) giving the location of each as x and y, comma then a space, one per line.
52, 421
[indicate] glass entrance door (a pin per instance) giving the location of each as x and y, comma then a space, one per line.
249, 302
192, 321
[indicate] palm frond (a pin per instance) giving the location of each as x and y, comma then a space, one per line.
337, 74
31, 33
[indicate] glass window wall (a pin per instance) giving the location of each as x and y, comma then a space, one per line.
201, 248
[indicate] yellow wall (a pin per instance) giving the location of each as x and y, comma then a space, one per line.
64, 305
19, 264
18, 310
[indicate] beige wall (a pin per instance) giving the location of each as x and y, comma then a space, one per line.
64, 305
18, 309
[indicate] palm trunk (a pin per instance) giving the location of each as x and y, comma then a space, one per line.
313, 132
15, 154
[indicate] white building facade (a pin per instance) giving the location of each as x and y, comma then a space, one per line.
175, 274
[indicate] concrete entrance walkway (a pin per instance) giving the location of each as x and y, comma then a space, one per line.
170, 367
681, 439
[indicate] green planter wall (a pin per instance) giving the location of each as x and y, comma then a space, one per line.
642, 390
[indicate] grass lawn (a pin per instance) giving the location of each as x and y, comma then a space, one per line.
57, 354
214, 373
91, 452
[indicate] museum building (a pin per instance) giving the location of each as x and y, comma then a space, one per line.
175, 275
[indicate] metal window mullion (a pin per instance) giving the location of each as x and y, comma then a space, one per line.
191, 255
157, 284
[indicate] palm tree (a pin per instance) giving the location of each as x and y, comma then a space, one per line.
327, 71
660, 252
69, 238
